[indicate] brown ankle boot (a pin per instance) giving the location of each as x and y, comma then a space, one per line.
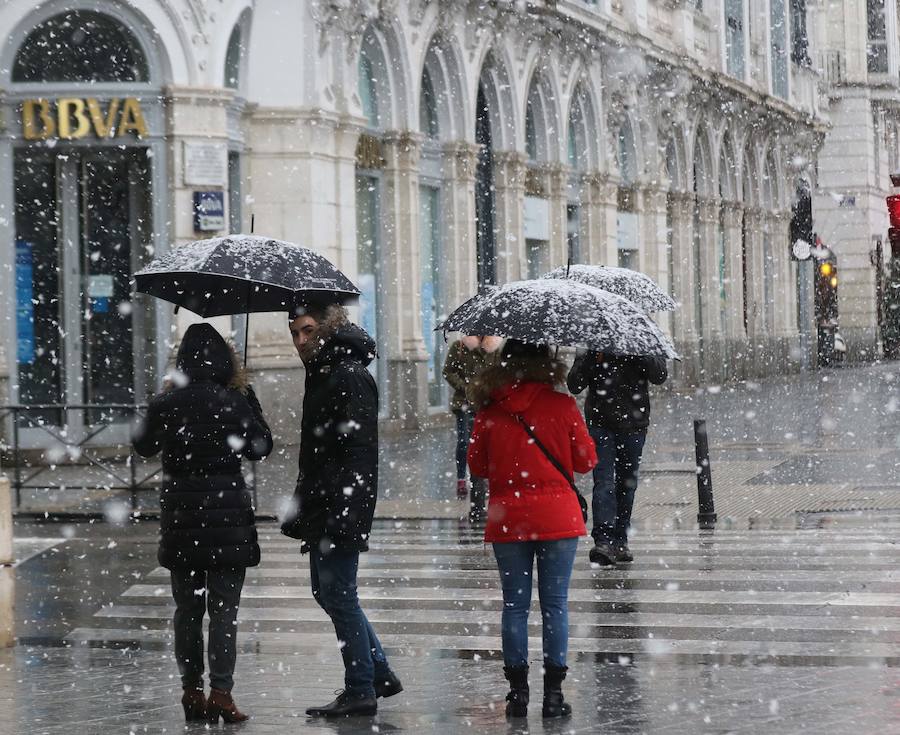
194, 703
220, 704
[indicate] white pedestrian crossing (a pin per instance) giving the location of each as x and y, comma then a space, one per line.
825, 596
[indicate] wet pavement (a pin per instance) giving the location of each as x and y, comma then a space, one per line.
788, 630
784, 619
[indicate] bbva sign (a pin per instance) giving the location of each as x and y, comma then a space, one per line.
70, 118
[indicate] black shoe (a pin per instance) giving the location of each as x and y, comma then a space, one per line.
555, 704
623, 554
346, 705
603, 555
517, 699
387, 685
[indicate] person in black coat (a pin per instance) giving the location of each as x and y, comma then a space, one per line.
334, 500
204, 423
617, 411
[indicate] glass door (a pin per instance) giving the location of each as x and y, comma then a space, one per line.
82, 219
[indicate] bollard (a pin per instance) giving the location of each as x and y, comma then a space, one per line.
7, 637
706, 515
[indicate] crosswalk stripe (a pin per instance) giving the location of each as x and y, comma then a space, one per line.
777, 595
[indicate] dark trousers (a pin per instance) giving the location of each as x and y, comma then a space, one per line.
615, 482
333, 580
217, 591
464, 422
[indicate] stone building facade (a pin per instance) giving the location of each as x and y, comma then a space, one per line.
424, 147
859, 58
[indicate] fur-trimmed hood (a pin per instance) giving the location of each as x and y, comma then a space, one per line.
512, 372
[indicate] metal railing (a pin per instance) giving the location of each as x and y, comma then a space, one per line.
77, 442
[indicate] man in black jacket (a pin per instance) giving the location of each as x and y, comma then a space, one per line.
617, 410
334, 501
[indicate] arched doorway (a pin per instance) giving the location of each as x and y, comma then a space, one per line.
84, 88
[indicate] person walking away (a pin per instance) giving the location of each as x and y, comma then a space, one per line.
617, 410
534, 511
465, 360
205, 422
334, 501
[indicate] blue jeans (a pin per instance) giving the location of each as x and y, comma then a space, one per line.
615, 482
515, 561
464, 422
333, 581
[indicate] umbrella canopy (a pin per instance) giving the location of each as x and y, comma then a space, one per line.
634, 286
561, 312
243, 273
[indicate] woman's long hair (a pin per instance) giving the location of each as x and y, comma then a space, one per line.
516, 362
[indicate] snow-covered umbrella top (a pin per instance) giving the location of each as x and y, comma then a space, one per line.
243, 273
561, 312
634, 286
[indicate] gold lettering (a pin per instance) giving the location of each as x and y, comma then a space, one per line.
30, 129
67, 108
132, 118
104, 127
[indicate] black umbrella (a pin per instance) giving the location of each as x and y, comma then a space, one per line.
561, 312
634, 286
240, 274
243, 273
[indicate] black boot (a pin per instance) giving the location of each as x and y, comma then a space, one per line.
387, 685
554, 703
517, 699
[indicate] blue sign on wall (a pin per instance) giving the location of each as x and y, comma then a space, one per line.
209, 211
24, 305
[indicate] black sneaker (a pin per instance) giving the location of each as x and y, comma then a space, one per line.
346, 705
387, 685
603, 555
623, 554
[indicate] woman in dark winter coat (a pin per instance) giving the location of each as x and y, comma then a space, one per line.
204, 424
334, 501
617, 410
533, 509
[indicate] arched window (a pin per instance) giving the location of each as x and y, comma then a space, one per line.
531, 147
577, 135
368, 90
428, 113
233, 55
80, 46
625, 155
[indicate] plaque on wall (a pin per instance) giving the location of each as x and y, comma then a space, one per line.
205, 164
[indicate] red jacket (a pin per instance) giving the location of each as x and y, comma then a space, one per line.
529, 499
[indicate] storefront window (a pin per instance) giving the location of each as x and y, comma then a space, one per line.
430, 264
80, 46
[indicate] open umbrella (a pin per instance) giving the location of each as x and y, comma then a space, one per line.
634, 286
240, 274
243, 273
561, 312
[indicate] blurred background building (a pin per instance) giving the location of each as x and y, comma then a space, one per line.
426, 148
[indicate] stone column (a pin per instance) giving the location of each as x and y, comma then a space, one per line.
683, 282
406, 353
755, 291
557, 188
7, 583
460, 271
509, 205
733, 213
599, 219
653, 199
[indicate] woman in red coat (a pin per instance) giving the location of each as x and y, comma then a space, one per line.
533, 510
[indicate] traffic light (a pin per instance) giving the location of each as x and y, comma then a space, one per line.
826, 290
893, 205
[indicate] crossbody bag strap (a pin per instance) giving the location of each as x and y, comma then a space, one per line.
553, 460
